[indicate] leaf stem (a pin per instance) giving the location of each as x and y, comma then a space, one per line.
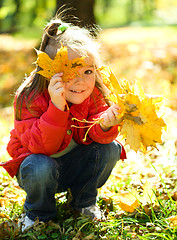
94, 122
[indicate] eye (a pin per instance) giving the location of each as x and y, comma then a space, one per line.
88, 71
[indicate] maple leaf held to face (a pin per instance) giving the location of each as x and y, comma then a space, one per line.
60, 63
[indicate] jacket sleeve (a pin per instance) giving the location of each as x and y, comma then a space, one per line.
96, 133
43, 134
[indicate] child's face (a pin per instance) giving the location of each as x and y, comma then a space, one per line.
80, 88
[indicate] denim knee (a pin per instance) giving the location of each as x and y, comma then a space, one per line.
95, 163
36, 169
109, 155
38, 176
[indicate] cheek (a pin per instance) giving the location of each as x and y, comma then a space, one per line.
91, 83
67, 85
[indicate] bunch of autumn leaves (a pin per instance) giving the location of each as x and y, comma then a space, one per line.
141, 127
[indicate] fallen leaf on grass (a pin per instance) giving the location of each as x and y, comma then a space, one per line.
174, 195
4, 201
3, 215
8, 230
127, 202
11, 195
149, 195
89, 237
133, 235
173, 221
130, 201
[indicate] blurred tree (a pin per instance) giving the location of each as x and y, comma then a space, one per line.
12, 18
140, 9
37, 7
106, 4
150, 6
84, 10
15, 15
130, 10
1, 4
34, 12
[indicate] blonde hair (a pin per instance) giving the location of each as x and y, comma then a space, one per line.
78, 39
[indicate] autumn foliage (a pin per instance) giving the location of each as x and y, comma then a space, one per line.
60, 63
141, 127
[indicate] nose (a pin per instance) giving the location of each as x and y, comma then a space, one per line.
78, 80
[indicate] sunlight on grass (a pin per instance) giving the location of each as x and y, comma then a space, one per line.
6, 124
139, 34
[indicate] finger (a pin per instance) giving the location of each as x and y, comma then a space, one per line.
58, 74
116, 113
117, 108
105, 118
112, 114
56, 78
58, 85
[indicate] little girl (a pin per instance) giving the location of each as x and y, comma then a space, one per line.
46, 145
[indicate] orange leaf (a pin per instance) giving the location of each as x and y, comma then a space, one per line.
128, 202
60, 63
173, 221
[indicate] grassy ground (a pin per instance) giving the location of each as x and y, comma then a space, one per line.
139, 199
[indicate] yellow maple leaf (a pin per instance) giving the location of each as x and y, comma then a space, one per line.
130, 201
132, 135
110, 80
141, 127
149, 194
127, 201
60, 63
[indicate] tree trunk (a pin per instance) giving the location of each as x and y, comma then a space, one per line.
1, 4
83, 9
130, 10
15, 15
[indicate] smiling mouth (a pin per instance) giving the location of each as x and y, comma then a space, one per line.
74, 91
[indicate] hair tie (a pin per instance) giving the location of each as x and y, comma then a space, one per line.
62, 28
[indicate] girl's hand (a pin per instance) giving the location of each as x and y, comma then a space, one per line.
57, 91
110, 118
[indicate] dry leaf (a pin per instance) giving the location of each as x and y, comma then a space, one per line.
149, 194
89, 237
128, 202
8, 230
141, 127
61, 63
173, 221
3, 215
174, 195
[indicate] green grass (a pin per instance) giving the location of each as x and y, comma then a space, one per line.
119, 224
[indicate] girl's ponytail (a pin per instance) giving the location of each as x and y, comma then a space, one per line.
50, 31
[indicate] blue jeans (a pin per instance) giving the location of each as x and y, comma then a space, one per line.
83, 170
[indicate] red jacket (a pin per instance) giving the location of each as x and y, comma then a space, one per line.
47, 130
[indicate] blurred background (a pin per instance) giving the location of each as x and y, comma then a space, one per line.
139, 39
27, 17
